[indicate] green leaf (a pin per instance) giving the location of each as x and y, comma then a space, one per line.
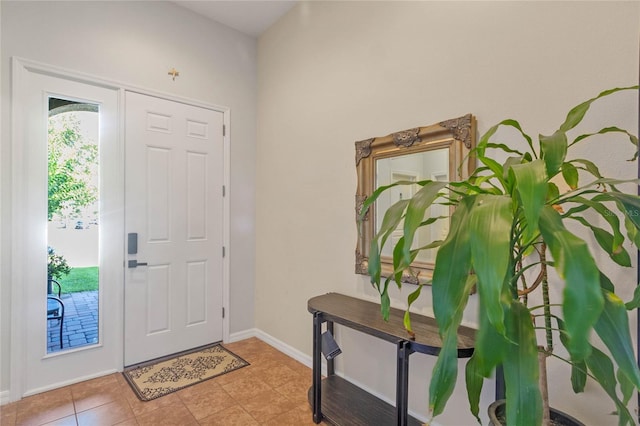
453, 264
578, 376
578, 368
376, 194
635, 302
443, 377
466, 187
416, 209
431, 220
601, 368
491, 346
554, 151
632, 138
490, 222
515, 125
524, 402
474, 381
570, 175
611, 182
410, 299
553, 193
374, 268
484, 143
451, 285
508, 164
631, 205
496, 168
606, 283
431, 245
390, 221
583, 301
400, 264
589, 166
613, 329
575, 116
606, 241
626, 387
632, 231
596, 204
481, 146
532, 188
504, 147
385, 304
445, 372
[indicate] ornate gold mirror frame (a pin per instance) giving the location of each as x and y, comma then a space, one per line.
442, 150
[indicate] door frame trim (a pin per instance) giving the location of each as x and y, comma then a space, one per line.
19, 255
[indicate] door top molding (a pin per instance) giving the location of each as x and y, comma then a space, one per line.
56, 71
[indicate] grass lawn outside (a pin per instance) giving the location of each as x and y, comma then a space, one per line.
80, 279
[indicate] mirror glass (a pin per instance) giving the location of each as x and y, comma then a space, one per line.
433, 165
435, 152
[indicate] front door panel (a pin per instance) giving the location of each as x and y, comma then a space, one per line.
174, 209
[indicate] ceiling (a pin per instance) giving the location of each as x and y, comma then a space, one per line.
248, 16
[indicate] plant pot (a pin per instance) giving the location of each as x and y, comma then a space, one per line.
558, 418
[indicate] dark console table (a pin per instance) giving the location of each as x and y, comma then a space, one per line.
342, 403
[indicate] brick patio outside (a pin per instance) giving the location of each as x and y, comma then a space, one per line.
80, 325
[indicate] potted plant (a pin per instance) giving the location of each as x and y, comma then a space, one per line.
57, 267
507, 232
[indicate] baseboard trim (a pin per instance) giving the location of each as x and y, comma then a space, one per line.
308, 361
242, 335
69, 382
290, 351
272, 341
278, 344
5, 396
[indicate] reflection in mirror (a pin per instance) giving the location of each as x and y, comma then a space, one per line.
437, 152
432, 165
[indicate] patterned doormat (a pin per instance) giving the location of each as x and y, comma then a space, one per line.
159, 377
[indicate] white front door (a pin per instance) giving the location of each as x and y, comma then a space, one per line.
34, 368
174, 223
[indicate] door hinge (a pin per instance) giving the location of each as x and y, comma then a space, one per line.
223, 251
224, 190
223, 312
224, 130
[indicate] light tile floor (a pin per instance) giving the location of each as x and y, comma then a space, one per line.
271, 391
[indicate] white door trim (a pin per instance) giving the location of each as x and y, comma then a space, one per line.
19, 255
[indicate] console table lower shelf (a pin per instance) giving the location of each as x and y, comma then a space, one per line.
342, 403
345, 404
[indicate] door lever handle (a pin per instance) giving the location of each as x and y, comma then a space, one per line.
134, 263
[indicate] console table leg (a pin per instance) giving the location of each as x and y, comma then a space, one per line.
402, 383
317, 368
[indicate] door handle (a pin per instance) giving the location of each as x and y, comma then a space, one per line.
134, 263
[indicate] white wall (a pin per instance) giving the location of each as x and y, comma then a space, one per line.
137, 43
332, 73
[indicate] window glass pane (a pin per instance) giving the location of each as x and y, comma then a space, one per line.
73, 225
